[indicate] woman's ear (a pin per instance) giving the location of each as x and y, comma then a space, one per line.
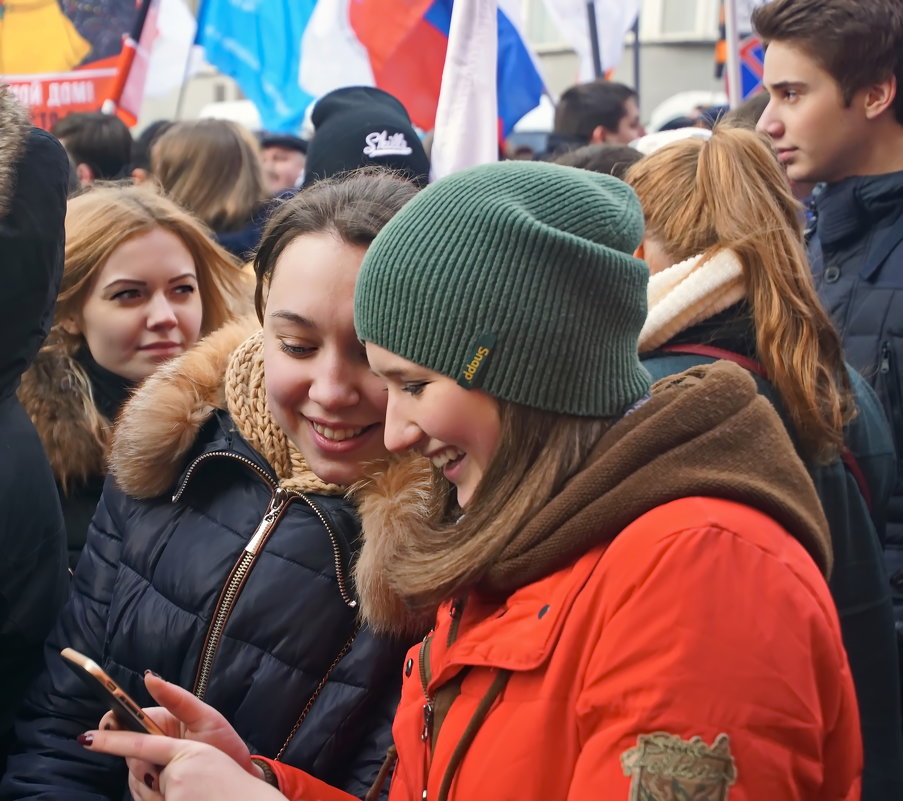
71, 326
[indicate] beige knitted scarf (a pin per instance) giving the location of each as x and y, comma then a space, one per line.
688, 293
246, 401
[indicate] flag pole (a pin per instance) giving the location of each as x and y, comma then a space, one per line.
126, 58
734, 90
594, 38
636, 57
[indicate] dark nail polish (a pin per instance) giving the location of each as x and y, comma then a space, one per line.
149, 780
85, 739
157, 675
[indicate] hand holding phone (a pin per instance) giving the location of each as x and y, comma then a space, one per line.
128, 714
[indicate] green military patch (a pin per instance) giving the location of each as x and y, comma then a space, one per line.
663, 767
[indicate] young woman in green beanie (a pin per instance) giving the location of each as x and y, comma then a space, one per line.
592, 555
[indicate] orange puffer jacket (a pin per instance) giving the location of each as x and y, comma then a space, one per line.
697, 656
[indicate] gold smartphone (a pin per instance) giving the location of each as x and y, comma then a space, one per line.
128, 714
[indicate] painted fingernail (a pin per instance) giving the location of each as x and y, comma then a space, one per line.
152, 673
149, 780
85, 739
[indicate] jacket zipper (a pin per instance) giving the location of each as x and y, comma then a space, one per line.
456, 612
349, 600
229, 455
423, 658
230, 593
277, 505
319, 688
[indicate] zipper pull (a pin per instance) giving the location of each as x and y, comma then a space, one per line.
427, 722
269, 516
884, 367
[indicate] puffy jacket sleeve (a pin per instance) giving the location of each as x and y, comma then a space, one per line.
47, 762
296, 785
711, 635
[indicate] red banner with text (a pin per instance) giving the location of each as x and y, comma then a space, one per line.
59, 56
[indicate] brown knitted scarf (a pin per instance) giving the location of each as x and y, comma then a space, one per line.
246, 402
704, 432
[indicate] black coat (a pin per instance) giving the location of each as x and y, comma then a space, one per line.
856, 251
33, 578
291, 672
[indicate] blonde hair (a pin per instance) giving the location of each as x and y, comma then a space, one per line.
212, 168
99, 220
700, 197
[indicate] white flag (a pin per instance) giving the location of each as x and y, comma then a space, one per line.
331, 55
613, 19
467, 116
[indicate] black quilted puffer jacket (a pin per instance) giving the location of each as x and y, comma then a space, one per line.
235, 589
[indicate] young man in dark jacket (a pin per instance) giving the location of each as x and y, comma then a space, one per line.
34, 174
834, 71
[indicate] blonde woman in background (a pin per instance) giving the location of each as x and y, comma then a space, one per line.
142, 281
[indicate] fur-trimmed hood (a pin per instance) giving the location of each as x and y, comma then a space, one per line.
34, 179
13, 130
56, 393
160, 424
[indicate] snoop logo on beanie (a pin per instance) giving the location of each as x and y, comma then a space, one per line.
477, 362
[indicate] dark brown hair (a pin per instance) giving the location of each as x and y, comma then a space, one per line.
857, 42
608, 159
587, 105
102, 141
354, 207
213, 169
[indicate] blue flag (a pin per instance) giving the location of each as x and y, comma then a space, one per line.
258, 43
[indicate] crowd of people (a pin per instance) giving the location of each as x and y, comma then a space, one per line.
567, 477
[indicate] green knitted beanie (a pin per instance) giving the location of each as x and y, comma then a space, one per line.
518, 279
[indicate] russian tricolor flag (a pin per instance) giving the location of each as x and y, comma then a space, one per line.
406, 41
284, 54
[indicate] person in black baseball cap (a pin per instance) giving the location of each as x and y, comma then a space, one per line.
360, 126
284, 156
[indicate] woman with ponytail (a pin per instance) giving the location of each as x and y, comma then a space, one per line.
730, 280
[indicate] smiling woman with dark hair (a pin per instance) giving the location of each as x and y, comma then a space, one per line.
222, 556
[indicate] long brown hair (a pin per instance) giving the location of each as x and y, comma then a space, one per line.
447, 553
212, 168
700, 197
